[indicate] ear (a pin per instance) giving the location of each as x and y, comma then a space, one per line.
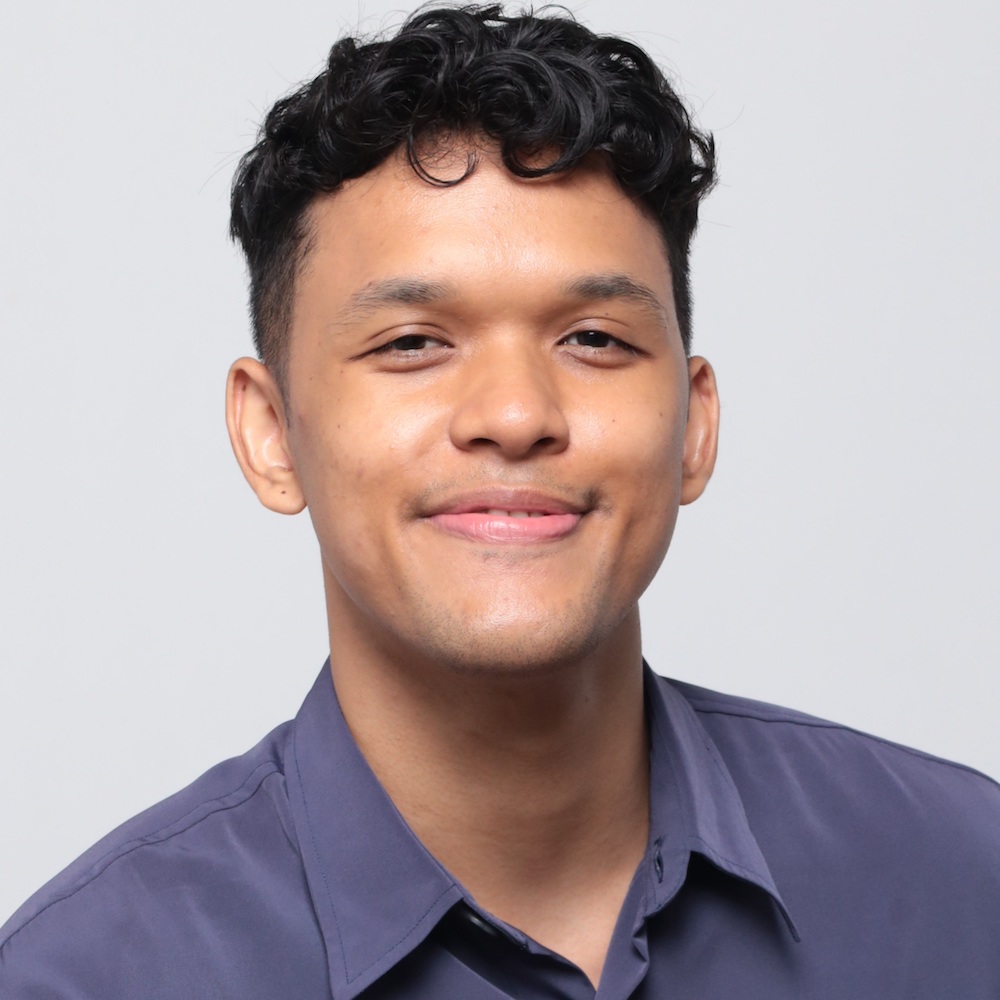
701, 439
255, 416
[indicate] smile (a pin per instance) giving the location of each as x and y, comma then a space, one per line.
508, 526
508, 516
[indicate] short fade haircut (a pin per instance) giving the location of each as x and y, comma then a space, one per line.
530, 84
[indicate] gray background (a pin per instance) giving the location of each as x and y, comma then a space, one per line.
844, 561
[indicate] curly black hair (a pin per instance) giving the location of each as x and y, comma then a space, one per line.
529, 83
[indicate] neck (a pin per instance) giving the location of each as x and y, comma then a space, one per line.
531, 789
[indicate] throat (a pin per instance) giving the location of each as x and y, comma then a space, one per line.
551, 852
532, 793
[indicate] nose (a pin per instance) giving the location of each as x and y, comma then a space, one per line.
510, 403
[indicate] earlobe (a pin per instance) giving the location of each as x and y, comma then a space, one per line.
701, 438
257, 431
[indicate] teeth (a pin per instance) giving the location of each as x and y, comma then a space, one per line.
496, 512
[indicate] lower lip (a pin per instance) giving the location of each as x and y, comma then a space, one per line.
502, 530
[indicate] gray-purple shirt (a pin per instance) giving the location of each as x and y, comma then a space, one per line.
788, 858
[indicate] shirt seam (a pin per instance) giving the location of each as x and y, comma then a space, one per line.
149, 840
408, 934
840, 727
756, 876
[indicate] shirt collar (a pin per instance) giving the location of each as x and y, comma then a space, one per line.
694, 803
378, 892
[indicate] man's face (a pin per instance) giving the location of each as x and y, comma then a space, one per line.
487, 409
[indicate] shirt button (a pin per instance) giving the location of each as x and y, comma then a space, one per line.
483, 925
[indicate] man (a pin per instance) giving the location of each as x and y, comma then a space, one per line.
468, 259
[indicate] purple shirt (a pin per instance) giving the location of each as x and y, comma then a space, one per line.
788, 858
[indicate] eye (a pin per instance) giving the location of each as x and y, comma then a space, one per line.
596, 339
409, 343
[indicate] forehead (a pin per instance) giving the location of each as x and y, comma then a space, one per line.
491, 232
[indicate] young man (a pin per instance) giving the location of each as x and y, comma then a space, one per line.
468, 258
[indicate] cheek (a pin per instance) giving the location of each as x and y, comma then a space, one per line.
642, 447
356, 457
642, 436
407, 430
334, 461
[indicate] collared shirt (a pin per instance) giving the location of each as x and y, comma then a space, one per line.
787, 858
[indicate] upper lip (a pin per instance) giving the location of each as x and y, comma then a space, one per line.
506, 498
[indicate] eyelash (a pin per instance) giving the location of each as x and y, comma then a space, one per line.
393, 345
612, 340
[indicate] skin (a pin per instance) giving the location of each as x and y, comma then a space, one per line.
511, 344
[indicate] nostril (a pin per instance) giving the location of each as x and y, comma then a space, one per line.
545, 442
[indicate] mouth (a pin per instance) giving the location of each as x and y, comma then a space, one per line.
504, 517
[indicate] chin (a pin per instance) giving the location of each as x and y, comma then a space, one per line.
520, 647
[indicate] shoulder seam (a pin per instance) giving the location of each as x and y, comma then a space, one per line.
822, 724
160, 836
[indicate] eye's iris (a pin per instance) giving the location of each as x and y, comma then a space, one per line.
411, 342
593, 338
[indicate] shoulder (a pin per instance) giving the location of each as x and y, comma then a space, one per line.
724, 713
827, 760
811, 741
128, 889
873, 845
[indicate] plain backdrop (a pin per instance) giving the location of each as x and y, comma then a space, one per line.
845, 560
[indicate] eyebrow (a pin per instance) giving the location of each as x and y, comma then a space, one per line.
395, 291
419, 291
618, 286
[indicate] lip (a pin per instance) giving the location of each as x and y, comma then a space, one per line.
492, 516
